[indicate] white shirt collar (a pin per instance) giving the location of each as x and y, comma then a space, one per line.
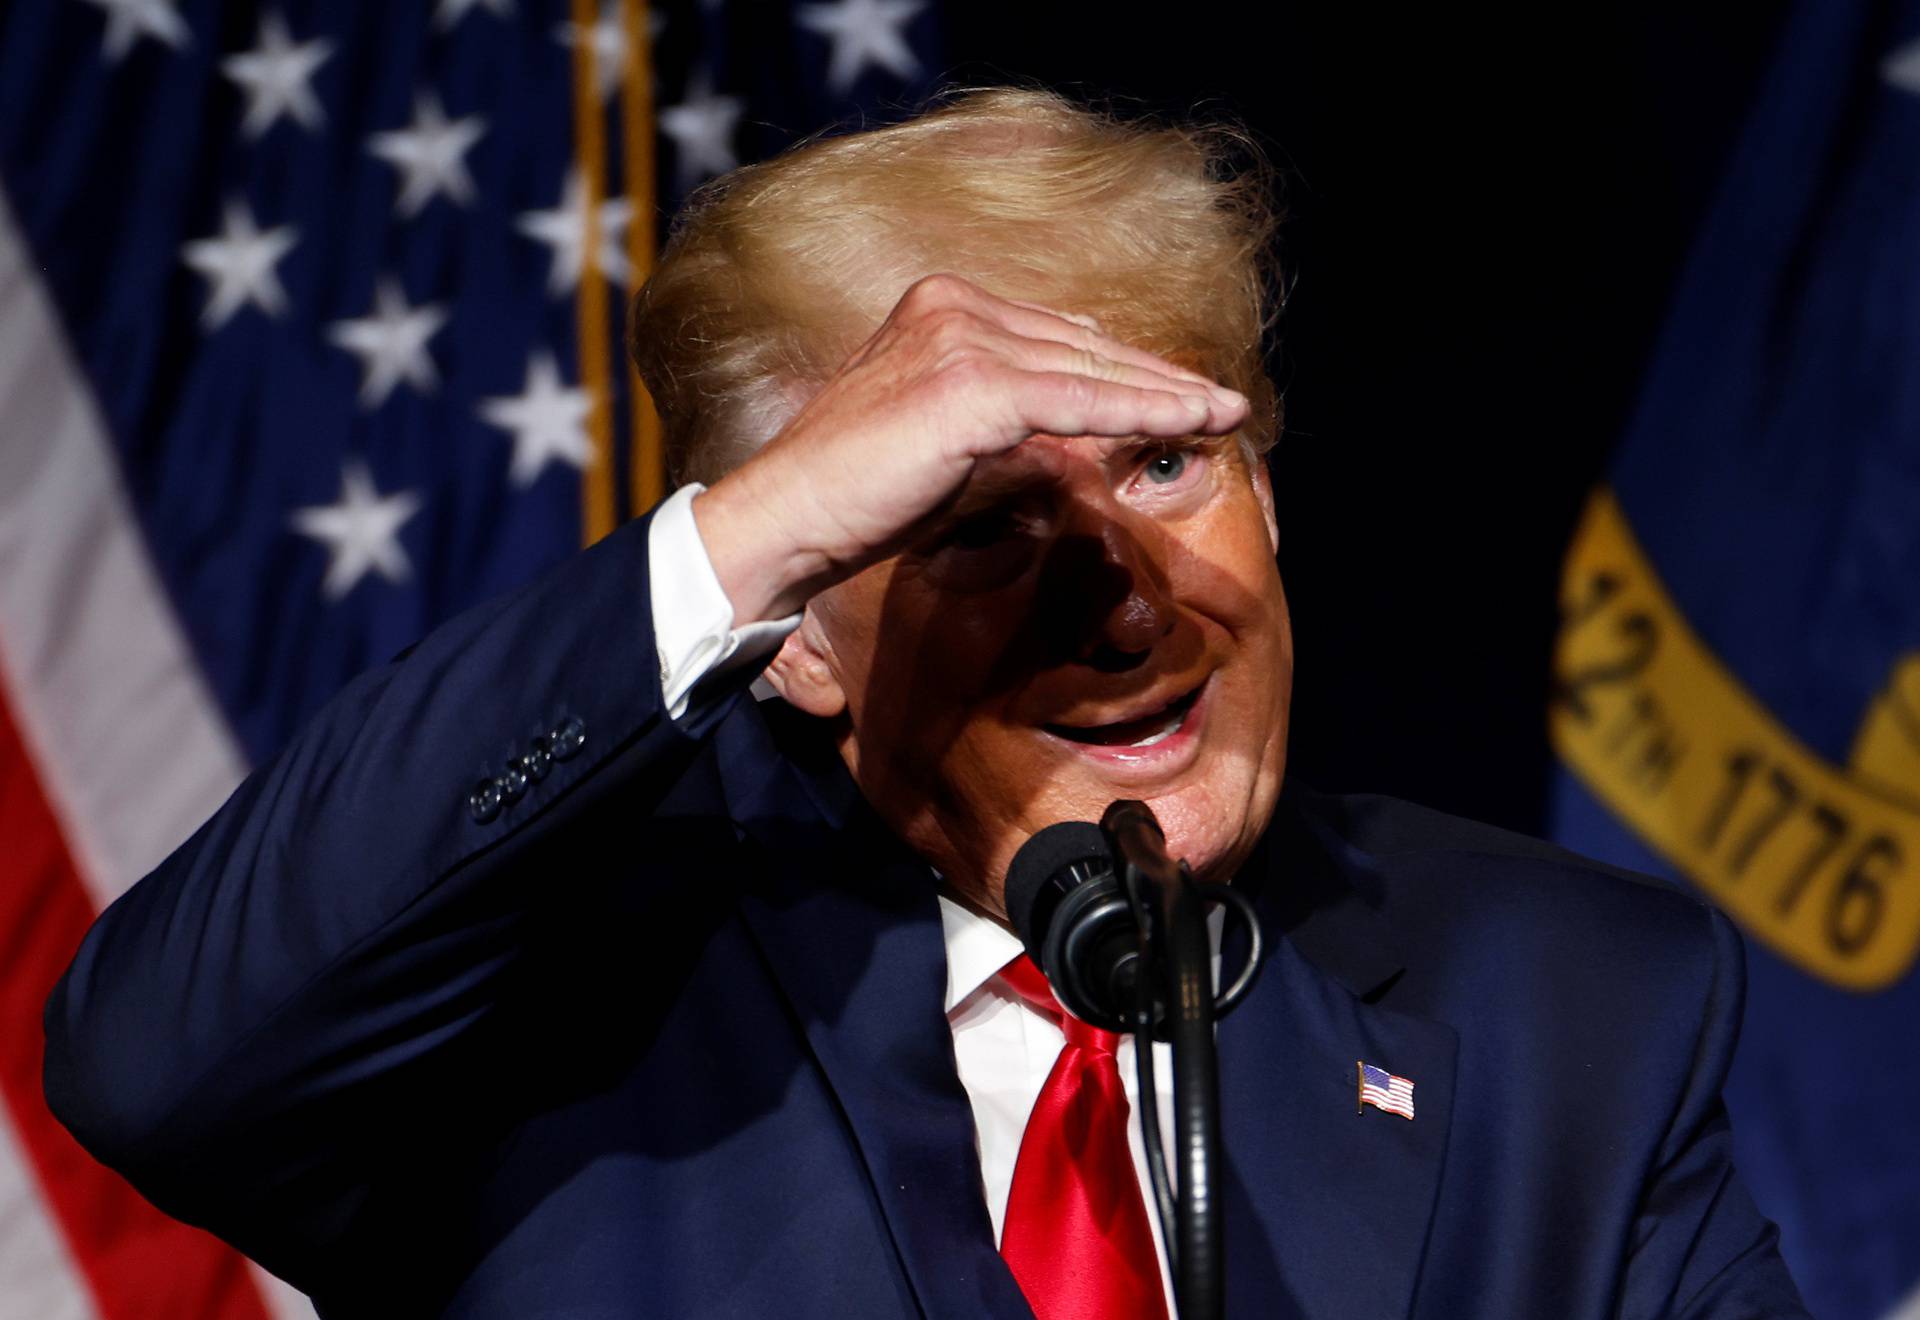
977, 948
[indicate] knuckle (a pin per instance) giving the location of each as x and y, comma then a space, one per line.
932, 292
1079, 392
947, 325
949, 335
1089, 363
1085, 340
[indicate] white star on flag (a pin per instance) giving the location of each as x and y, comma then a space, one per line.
391, 343
361, 532
452, 11
430, 154
564, 229
276, 76
130, 20
864, 32
547, 419
701, 127
607, 39
239, 266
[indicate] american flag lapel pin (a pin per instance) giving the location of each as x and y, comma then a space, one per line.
1383, 1090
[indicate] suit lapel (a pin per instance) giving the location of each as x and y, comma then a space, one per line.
1327, 1209
1328, 1205
848, 921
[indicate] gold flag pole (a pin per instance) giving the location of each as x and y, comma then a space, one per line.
597, 514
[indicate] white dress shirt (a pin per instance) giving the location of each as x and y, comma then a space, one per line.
1003, 1047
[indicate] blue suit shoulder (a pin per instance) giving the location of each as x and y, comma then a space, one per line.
1472, 908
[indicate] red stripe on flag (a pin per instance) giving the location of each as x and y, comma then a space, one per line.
138, 1262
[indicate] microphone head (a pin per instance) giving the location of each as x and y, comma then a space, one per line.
1054, 860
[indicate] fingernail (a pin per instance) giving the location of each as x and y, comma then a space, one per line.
1231, 398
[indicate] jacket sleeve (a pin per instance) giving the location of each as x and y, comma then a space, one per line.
1701, 1250
308, 992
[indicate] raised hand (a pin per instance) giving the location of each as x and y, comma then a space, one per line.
954, 379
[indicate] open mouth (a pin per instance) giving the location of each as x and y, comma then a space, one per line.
1143, 732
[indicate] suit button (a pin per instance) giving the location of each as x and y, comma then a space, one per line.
513, 782
537, 761
484, 803
568, 739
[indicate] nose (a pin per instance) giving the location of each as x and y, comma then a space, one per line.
1126, 606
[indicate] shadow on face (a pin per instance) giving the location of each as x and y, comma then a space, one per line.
1109, 628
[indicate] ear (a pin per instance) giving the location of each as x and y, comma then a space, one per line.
1263, 491
802, 671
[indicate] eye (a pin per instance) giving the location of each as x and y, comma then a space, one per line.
1173, 477
983, 552
1167, 466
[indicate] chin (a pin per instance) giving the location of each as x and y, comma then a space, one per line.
1211, 824
1210, 831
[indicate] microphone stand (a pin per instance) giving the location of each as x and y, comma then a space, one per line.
1176, 959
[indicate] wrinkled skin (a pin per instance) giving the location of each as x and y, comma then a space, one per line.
1037, 575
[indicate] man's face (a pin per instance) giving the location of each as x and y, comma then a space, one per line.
1107, 623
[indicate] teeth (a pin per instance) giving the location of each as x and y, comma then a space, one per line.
1166, 731
1164, 726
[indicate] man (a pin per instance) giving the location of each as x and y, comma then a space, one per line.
694, 1006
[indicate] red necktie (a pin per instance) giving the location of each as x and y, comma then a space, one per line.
1076, 1234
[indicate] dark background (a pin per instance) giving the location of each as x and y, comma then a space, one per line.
1487, 213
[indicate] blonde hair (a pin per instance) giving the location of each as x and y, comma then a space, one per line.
776, 272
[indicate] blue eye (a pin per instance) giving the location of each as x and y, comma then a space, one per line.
1168, 466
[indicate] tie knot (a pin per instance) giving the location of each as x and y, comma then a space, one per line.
1030, 983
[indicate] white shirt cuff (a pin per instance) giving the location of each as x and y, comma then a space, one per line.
692, 617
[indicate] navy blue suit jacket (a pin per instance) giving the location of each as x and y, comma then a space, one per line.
665, 1037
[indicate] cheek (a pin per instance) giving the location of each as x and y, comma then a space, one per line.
848, 615
885, 643
1223, 563
925, 697
946, 659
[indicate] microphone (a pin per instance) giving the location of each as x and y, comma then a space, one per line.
1078, 896
1071, 909
1066, 904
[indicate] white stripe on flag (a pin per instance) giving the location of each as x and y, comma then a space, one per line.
284, 1301
38, 1277
127, 742
126, 738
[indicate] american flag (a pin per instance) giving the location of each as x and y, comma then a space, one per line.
1383, 1090
309, 327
